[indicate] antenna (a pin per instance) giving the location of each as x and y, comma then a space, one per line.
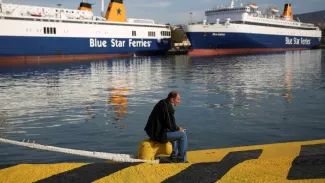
102, 8
232, 4
191, 17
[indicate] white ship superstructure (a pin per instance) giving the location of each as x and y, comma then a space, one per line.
34, 33
245, 29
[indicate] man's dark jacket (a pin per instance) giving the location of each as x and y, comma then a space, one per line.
160, 121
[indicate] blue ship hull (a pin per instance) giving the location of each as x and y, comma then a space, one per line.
27, 49
232, 43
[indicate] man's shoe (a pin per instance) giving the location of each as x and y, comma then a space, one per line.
173, 157
177, 159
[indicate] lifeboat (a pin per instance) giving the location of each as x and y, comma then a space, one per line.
254, 6
275, 10
36, 14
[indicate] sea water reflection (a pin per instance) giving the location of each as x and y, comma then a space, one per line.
104, 105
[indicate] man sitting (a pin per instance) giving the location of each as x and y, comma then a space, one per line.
161, 127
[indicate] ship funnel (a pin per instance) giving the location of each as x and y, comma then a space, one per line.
85, 6
287, 12
115, 11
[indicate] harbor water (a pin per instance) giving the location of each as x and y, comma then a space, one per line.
103, 105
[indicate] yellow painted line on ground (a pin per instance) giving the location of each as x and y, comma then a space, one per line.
271, 164
31, 173
269, 151
145, 173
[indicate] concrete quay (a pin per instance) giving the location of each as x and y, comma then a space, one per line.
282, 162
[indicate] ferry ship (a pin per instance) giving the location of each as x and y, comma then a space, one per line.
245, 29
40, 34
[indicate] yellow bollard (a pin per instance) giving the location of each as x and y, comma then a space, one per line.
149, 149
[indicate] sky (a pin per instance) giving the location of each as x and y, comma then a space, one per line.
177, 11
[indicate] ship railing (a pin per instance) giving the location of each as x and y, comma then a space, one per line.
307, 25
147, 21
44, 19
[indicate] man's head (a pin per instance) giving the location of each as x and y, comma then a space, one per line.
174, 98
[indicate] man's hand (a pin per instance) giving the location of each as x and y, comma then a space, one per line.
181, 129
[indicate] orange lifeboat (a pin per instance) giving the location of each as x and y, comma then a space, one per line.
36, 14
275, 10
254, 6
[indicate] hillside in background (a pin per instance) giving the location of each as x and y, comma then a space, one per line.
316, 18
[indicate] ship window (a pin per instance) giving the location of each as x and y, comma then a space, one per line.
151, 34
134, 33
164, 33
48, 30
51, 30
54, 30
45, 30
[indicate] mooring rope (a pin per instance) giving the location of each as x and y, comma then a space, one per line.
92, 154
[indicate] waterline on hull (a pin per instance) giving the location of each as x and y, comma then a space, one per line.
212, 52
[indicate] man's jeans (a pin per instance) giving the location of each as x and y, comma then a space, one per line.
179, 143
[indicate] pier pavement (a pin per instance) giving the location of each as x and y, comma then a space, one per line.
282, 162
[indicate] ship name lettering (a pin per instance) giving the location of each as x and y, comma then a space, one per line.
305, 41
288, 40
297, 41
218, 34
117, 43
94, 43
139, 43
